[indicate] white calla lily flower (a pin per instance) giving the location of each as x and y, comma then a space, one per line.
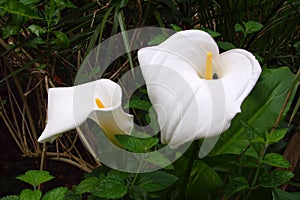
190, 104
69, 107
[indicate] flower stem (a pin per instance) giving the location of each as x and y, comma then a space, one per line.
194, 152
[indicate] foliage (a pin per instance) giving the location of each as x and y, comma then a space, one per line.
45, 42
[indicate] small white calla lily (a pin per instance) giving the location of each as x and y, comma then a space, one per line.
188, 103
69, 107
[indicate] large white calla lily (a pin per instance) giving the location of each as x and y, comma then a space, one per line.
69, 107
188, 103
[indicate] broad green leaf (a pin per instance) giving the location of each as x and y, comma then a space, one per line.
156, 181
135, 144
33, 43
111, 187
283, 195
87, 185
203, 181
18, 8
252, 27
10, 197
226, 45
275, 160
119, 3
275, 178
158, 159
276, 135
62, 39
37, 30
27, 194
9, 30
56, 193
235, 185
35, 177
28, 2
260, 110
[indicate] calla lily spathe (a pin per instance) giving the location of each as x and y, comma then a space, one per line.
69, 107
188, 106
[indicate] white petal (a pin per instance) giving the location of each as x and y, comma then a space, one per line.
239, 71
70, 107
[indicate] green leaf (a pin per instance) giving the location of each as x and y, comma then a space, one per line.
27, 194
64, 4
158, 39
175, 27
135, 144
35, 177
119, 3
159, 159
275, 178
37, 30
112, 187
9, 30
254, 137
235, 185
156, 181
283, 195
10, 197
87, 185
56, 193
276, 135
212, 33
275, 160
33, 43
62, 39
18, 8
203, 181
139, 104
260, 110
239, 28
226, 45
28, 2
252, 27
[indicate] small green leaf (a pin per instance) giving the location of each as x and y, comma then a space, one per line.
10, 197
37, 30
235, 185
62, 39
159, 159
175, 27
252, 27
35, 177
28, 2
225, 45
112, 187
283, 195
33, 43
135, 144
239, 28
212, 33
158, 39
87, 185
254, 137
139, 104
275, 160
9, 30
56, 193
276, 135
156, 181
27, 194
275, 178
